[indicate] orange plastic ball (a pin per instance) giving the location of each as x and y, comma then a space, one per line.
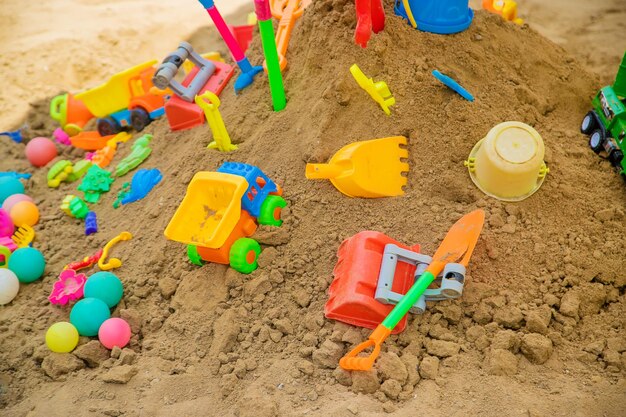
24, 212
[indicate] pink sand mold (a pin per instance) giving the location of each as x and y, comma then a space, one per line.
69, 287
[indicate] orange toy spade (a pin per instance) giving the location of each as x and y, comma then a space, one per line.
287, 12
458, 243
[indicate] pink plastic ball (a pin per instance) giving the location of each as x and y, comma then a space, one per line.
114, 332
13, 200
40, 151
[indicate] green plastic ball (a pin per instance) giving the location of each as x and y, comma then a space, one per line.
105, 286
28, 264
87, 316
9, 186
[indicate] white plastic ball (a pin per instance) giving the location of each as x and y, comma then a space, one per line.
9, 286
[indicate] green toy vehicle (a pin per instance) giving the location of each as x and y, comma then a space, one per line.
606, 123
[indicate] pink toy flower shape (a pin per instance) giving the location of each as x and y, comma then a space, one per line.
69, 287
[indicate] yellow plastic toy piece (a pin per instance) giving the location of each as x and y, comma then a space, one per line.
210, 210
23, 236
506, 8
210, 104
379, 91
113, 262
65, 205
409, 13
368, 169
252, 19
115, 94
211, 56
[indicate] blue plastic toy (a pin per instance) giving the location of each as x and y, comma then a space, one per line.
16, 175
248, 72
142, 183
15, 136
437, 16
258, 190
91, 223
450, 83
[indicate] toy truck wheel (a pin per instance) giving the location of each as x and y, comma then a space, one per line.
108, 126
244, 255
139, 119
616, 157
596, 141
193, 255
271, 209
588, 124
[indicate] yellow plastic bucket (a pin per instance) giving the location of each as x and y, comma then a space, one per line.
508, 163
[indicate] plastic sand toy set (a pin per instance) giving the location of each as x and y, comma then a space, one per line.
113, 160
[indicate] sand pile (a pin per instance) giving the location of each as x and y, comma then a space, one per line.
540, 326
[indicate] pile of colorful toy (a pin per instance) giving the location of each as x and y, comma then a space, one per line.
91, 316
18, 261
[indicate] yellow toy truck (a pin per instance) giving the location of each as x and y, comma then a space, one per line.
220, 212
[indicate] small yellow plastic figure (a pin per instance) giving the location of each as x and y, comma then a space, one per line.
210, 103
505, 8
379, 91
113, 262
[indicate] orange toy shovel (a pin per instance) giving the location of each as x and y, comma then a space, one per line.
287, 12
458, 243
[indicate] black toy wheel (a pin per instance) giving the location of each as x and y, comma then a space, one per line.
596, 141
588, 123
139, 119
616, 157
108, 126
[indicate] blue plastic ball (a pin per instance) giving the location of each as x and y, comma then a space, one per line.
9, 186
87, 316
105, 286
28, 264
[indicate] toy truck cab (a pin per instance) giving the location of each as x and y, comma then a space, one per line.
606, 123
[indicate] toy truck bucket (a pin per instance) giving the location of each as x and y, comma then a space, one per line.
353, 290
210, 210
620, 79
115, 94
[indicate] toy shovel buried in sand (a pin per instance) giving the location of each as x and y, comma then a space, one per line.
369, 169
459, 243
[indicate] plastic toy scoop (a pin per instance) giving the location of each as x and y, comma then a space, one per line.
458, 243
113, 262
369, 169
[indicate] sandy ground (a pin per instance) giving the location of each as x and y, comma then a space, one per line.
539, 331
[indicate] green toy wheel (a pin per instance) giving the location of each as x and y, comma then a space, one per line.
270, 210
193, 255
244, 255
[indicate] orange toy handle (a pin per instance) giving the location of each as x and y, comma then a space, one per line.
353, 362
287, 11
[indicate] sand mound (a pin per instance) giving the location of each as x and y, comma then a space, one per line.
543, 311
